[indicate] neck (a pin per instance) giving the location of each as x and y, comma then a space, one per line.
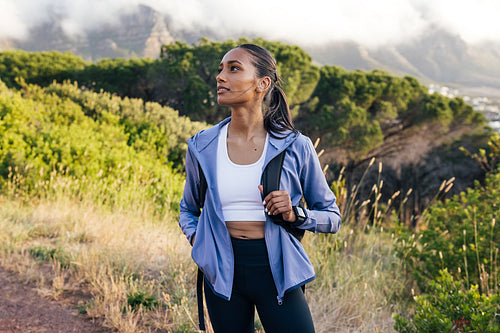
247, 123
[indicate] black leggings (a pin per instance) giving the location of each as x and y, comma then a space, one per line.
254, 287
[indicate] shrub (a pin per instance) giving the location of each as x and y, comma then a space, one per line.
450, 308
137, 299
461, 235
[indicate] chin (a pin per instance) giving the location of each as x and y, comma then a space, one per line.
221, 102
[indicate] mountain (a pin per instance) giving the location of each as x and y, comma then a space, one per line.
436, 56
138, 34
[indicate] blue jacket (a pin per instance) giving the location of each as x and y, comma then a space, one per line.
212, 250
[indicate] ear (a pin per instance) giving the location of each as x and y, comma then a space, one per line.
263, 84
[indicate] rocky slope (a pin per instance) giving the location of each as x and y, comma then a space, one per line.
138, 34
437, 56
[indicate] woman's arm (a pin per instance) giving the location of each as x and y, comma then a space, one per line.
190, 205
323, 214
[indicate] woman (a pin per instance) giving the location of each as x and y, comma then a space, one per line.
248, 261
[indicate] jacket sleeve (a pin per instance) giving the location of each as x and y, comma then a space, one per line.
190, 206
323, 214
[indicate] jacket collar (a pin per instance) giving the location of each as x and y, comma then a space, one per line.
203, 139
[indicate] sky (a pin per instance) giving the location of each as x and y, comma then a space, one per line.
306, 22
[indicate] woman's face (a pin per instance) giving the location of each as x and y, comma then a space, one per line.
237, 82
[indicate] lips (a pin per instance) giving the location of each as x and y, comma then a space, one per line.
222, 89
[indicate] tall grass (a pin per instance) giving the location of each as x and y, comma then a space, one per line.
112, 244
360, 281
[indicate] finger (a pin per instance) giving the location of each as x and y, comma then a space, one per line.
270, 202
280, 208
261, 189
279, 205
274, 195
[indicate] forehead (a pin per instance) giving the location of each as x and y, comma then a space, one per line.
237, 54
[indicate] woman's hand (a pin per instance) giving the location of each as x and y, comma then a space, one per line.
279, 202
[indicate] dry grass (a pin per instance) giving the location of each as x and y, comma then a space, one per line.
358, 281
110, 254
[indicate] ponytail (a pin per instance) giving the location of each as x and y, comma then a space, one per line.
277, 117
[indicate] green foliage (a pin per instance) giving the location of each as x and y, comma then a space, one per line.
99, 143
38, 67
353, 110
123, 77
45, 253
487, 158
450, 308
148, 127
461, 235
138, 299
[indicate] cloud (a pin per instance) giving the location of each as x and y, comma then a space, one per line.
308, 22
474, 21
11, 25
318, 21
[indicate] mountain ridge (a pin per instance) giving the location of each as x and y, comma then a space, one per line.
437, 56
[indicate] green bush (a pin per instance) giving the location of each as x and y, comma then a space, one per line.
61, 140
450, 308
46, 253
38, 67
139, 298
461, 234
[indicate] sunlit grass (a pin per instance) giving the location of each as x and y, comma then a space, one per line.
359, 280
111, 251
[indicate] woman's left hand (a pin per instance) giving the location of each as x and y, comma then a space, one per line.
279, 202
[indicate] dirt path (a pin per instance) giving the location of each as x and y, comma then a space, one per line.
23, 310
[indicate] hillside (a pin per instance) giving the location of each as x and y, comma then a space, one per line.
90, 184
436, 56
140, 33
357, 115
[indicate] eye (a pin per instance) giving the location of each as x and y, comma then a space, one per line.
219, 70
234, 68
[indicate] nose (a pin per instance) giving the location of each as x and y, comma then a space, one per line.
220, 77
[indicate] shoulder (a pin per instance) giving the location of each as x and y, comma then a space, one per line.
202, 138
302, 143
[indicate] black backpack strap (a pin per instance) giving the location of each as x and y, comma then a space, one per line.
199, 297
272, 174
199, 279
271, 182
203, 186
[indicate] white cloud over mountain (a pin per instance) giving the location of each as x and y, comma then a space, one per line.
307, 22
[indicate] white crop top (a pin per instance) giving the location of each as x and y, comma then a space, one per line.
238, 184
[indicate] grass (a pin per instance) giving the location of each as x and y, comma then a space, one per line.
136, 267
357, 285
110, 254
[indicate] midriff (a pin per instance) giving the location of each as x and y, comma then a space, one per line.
246, 229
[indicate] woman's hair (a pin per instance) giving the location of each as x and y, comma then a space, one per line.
277, 117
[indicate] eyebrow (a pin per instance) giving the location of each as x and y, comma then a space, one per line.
229, 62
